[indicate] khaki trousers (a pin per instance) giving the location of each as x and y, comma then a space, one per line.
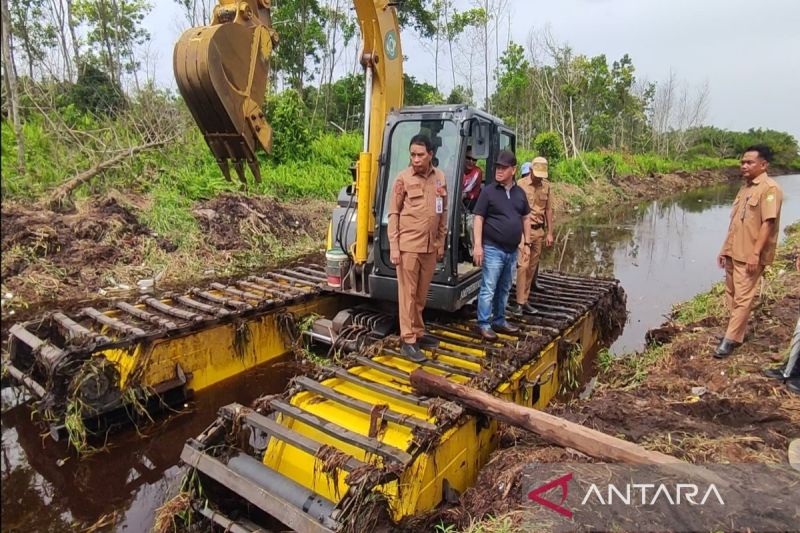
414, 275
740, 291
527, 266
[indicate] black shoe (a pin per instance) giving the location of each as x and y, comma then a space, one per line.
720, 336
793, 384
413, 353
726, 348
529, 309
506, 328
774, 373
487, 334
428, 341
514, 309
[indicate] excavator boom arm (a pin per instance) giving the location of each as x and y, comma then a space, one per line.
222, 71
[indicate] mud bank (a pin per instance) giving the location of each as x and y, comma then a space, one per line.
673, 398
102, 248
626, 189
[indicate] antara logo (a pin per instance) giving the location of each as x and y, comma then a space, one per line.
629, 494
562, 482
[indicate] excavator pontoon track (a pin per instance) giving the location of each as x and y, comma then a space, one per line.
160, 348
356, 440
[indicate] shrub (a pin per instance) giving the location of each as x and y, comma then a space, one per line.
291, 126
548, 144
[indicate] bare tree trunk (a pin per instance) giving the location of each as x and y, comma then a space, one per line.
12, 88
63, 191
59, 11
450, 38
75, 43
486, 56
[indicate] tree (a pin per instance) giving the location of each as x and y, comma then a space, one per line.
197, 12
298, 54
114, 31
32, 30
11, 86
512, 83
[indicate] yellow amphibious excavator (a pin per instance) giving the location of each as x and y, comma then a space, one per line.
354, 439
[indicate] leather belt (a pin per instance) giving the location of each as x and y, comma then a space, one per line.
537, 226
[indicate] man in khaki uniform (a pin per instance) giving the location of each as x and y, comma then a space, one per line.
537, 188
750, 243
417, 231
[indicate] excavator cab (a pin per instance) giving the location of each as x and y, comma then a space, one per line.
452, 129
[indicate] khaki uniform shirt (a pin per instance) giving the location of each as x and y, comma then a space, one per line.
538, 196
755, 203
414, 224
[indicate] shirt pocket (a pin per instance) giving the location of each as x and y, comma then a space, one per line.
416, 199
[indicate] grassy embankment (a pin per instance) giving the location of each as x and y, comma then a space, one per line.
673, 397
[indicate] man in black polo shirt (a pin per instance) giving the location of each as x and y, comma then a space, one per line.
501, 219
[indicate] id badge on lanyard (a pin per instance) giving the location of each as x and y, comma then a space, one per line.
439, 205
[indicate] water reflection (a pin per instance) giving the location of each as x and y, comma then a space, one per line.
663, 252
46, 488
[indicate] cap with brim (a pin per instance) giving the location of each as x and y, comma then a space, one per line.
526, 169
506, 159
540, 167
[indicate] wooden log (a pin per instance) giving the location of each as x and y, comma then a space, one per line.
554, 429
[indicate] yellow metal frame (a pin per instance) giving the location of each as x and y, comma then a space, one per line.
213, 354
382, 54
459, 453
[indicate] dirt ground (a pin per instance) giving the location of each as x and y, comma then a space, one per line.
689, 405
102, 248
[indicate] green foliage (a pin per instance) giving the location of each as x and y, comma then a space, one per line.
416, 14
291, 126
321, 175
718, 143
298, 55
461, 95
512, 82
32, 30
703, 305
114, 31
612, 165
548, 144
420, 93
94, 92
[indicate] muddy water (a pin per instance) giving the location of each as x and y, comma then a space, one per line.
663, 252
46, 488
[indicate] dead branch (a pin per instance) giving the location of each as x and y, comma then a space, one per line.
63, 191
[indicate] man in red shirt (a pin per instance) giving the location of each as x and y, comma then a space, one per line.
472, 182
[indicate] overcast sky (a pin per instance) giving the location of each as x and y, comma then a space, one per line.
748, 51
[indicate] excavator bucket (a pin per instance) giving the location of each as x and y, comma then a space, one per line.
224, 90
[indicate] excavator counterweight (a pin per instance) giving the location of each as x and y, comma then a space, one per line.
222, 72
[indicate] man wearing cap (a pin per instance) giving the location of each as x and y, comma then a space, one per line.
501, 219
537, 188
750, 243
417, 231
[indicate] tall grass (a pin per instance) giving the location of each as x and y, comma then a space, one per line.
591, 166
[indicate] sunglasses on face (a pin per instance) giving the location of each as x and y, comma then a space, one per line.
472, 159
